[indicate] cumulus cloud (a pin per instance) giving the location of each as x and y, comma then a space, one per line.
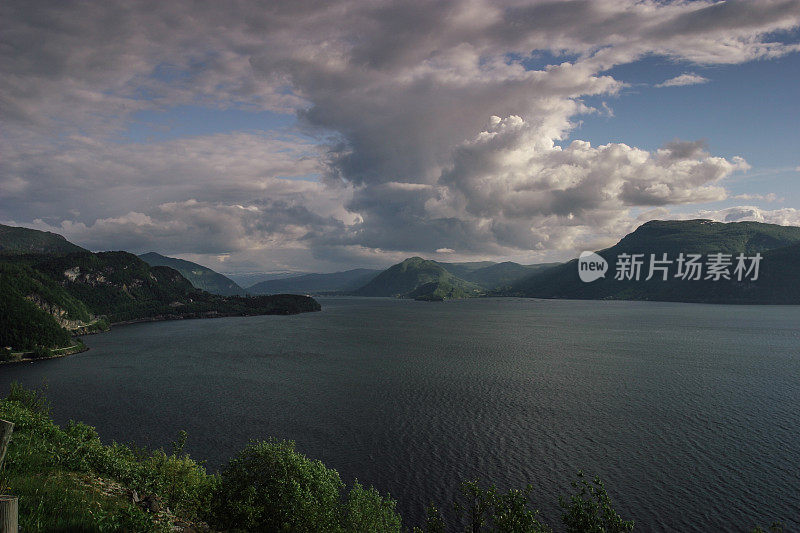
420, 127
684, 79
787, 216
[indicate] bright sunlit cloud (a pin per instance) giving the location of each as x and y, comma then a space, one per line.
323, 136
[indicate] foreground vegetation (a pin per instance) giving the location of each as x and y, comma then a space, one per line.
67, 480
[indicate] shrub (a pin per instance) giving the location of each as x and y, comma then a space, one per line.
31, 399
269, 486
367, 511
590, 511
434, 523
490, 510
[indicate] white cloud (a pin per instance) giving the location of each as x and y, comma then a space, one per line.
785, 217
770, 197
684, 79
423, 125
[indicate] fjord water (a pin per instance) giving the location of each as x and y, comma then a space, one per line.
688, 412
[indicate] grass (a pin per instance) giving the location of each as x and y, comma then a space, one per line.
67, 480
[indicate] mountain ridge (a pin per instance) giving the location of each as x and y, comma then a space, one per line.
405, 278
344, 281
46, 298
199, 276
779, 246
16, 240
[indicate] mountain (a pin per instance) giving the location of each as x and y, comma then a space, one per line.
123, 287
463, 270
199, 276
777, 283
35, 310
248, 279
45, 298
346, 281
15, 240
497, 275
418, 278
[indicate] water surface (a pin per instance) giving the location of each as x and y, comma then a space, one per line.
688, 412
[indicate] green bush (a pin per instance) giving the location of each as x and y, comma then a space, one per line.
31, 399
590, 510
488, 509
367, 511
271, 487
42, 450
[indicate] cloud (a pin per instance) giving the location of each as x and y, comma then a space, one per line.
684, 79
102, 178
770, 197
192, 226
419, 126
787, 216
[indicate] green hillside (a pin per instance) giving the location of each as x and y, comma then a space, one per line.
199, 276
778, 277
436, 291
123, 287
15, 240
706, 236
50, 293
464, 270
497, 275
403, 279
24, 324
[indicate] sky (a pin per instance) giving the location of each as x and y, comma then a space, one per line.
326, 135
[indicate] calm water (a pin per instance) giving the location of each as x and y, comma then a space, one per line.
688, 412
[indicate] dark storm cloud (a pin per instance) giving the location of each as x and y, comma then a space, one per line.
428, 132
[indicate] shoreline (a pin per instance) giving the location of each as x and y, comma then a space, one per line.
81, 347
69, 350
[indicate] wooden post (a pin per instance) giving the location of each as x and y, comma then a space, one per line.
6, 428
9, 514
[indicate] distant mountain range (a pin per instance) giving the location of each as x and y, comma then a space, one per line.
778, 279
201, 277
406, 279
50, 288
248, 279
346, 281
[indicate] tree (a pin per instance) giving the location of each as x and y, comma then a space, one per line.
590, 510
269, 486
